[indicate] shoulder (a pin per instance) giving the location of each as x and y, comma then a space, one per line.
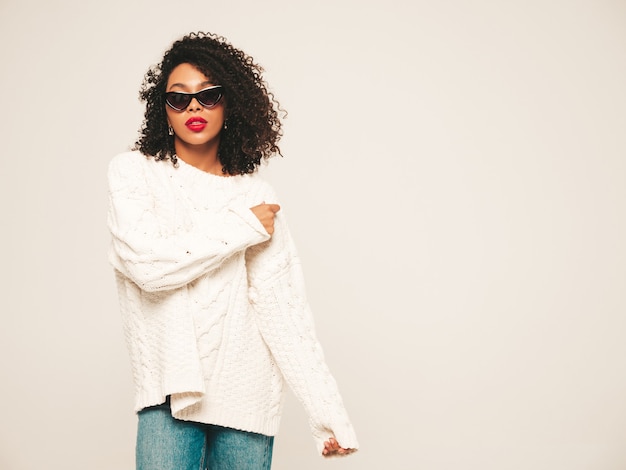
128, 169
263, 187
132, 165
127, 160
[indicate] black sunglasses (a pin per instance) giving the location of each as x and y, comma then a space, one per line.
209, 97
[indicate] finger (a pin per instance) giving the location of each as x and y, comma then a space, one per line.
273, 207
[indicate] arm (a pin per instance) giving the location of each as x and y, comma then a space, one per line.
154, 245
278, 296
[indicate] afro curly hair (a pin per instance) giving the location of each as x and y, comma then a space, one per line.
253, 123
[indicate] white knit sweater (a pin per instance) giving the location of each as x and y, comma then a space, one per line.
214, 310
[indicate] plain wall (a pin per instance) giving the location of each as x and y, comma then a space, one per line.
454, 175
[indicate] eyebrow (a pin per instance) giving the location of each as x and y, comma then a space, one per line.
185, 87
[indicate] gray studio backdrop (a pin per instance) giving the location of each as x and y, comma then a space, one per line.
454, 174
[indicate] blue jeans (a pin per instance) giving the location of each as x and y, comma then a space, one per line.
165, 443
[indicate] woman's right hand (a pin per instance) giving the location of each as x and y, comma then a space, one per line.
266, 214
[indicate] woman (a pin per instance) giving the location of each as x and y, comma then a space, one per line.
210, 286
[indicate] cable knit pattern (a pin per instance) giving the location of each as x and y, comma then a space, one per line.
214, 310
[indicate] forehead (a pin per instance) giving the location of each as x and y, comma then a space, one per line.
187, 76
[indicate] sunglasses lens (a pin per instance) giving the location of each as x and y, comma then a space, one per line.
210, 98
177, 101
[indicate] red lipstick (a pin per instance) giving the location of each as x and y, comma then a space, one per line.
196, 124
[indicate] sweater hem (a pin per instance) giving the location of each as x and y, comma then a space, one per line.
268, 425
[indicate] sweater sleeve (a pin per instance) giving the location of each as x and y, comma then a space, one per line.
150, 244
277, 293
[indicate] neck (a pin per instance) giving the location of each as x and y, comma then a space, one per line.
203, 157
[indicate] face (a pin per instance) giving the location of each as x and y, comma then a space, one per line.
195, 126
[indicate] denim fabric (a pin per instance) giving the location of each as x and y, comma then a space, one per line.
165, 443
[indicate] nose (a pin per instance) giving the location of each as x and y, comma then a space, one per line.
194, 105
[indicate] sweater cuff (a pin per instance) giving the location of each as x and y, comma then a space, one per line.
246, 214
343, 433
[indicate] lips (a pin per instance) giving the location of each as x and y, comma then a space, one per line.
196, 124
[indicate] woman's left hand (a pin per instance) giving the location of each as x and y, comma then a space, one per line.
332, 447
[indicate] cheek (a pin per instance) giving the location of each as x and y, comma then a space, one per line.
217, 111
170, 116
